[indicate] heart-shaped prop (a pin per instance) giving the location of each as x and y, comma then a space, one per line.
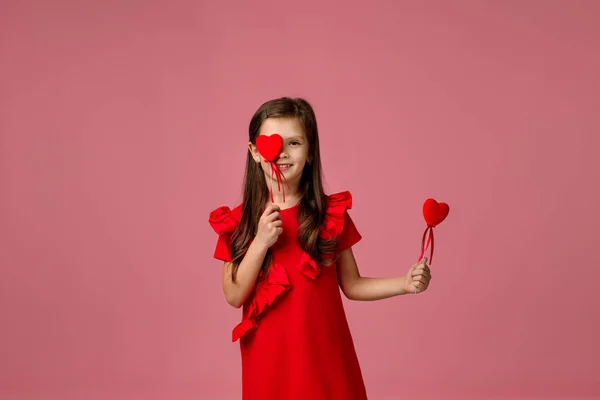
270, 147
434, 213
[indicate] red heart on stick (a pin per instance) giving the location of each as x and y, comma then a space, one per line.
435, 212
269, 146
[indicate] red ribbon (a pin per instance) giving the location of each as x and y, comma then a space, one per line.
280, 179
270, 148
424, 245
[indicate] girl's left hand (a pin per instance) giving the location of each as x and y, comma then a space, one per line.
418, 277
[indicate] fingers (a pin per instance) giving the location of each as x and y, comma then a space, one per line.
420, 275
276, 226
421, 270
422, 263
421, 283
421, 279
419, 286
272, 212
272, 216
274, 221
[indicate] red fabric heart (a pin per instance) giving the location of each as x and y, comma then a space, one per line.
269, 146
435, 212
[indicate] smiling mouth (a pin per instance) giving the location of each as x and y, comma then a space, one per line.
283, 167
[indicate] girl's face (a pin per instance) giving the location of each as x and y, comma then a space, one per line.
294, 153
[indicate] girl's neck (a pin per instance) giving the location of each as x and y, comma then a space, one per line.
291, 199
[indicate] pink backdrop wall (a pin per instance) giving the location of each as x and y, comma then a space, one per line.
123, 124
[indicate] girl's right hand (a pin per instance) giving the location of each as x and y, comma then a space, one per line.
269, 226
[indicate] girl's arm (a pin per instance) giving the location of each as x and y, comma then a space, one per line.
356, 287
236, 293
269, 229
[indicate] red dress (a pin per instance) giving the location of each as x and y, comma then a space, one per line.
294, 337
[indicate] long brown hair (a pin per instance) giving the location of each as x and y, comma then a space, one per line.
312, 206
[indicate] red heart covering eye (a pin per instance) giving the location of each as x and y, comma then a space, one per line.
435, 212
269, 146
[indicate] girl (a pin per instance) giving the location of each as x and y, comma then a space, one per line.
283, 262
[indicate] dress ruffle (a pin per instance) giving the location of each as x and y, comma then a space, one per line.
308, 266
267, 291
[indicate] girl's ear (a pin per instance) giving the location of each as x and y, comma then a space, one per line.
254, 152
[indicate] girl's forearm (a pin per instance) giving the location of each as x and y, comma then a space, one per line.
238, 292
368, 289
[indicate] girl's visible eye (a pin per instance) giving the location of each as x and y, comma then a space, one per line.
295, 143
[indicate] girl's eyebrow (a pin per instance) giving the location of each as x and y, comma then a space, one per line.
295, 138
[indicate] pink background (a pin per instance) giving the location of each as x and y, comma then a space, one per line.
124, 123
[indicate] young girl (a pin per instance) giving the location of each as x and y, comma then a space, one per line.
283, 262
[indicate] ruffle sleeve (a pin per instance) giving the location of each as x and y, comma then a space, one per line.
338, 222
224, 223
349, 236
